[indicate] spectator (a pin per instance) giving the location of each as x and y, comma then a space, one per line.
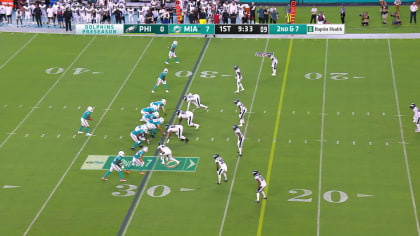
384, 12
271, 13
413, 12
233, 11
19, 17
274, 16
397, 4
67, 15
266, 12
365, 19
171, 15
260, 15
225, 17
149, 17
314, 10
245, 17
117, 15
60, 16
50, 15
9, 10
342, 14
321, 18
202, 15
397, 20
38, 14
252, 11
2, 12
216, 17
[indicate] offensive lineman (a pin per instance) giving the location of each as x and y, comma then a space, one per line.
273, 64
238, 76
84, 121
416, 116
137, 160
116, 165
261, 185
172, 53
167, 153
195, 100
242, 111
161, 79
159, 104
186, 115
177, 129
221, 167
138, 135
240, 139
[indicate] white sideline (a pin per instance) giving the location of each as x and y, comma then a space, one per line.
322, 143
87, 140
18, 51
150, 175
403, 140
48, 91
239, 158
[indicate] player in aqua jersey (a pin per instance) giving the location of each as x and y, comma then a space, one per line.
138, 135
116, 164
84, 120
138, 160
159, 104
158, 124
148, 110
172, 53
161, 79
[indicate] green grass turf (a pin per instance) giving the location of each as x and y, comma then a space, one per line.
84, 205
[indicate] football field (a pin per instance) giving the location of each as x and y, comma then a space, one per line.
332, 134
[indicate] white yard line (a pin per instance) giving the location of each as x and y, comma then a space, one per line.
403, 140
17, 52
46, 93
239, 158
87, 140
322, 138
151, 172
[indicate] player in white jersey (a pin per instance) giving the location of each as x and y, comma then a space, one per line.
75, 13
240, 139
82, 13
188, 115
166, 154
242, 111
89, 14
130, 12
177, 129
28, 13
261, 185
221, 167
195, 100
416, 116
140, 15
273, 63
238, 76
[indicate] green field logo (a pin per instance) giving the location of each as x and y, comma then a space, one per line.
103, 162
310, 29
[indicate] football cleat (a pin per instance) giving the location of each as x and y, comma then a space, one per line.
79, 132
197, 126
103, 178
127, 171
218, 183
88, 134
187, 140
153, 91
167, 91
177, 62
225, 180
123, 180
265, 198
257, 201
166, 63
412, 105
141, 173
132, 149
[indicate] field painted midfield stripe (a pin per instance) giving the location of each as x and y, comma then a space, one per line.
322, 142
18, 51
140, 191
403, 139
273, 144
46, 93
87, 140
237, 160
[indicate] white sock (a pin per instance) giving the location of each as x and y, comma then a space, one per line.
418, 126
262, 192
218, 178
225, 176
274, 71
161, 158
258, 196
242, 121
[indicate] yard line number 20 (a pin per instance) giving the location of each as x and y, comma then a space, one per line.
305, 193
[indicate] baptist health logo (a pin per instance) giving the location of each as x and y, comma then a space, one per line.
310, 29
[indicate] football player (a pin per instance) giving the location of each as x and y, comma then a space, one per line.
148, 110
157, 123
158, 105
240, 139
138, 135
137, 160
172, 53
84, 121
416, 116
261, 185
149, 116
238, 76
116, 164
273, 63
164, 151
242, 111
177, 129
221, 167
161, 79
186, 115
195, 100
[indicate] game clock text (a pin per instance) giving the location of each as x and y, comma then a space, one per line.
241, 29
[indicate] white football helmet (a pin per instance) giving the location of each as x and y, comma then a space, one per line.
90, 109
156, 114
165, 70
121, 154
163, 101
145, 149
161, 120
175, 42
